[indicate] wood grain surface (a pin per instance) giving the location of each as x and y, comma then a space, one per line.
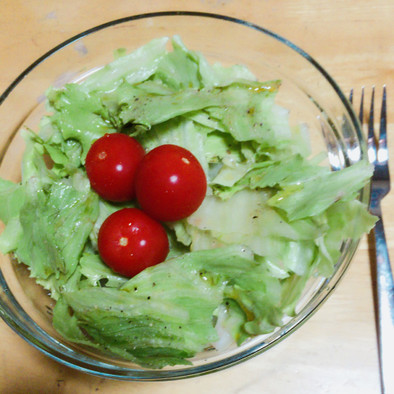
335, 351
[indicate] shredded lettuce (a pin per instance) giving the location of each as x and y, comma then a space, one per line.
272, 217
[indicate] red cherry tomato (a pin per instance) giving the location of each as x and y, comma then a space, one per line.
111, 164
130, 241
170, 183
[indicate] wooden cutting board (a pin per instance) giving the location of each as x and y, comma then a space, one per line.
335, 351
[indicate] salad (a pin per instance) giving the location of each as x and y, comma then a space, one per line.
270, 218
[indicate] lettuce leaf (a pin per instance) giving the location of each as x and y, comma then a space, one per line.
80, 115
164, 314
56, 224
315, 195
161, 316
133, 68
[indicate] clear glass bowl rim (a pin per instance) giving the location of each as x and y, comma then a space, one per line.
106, 370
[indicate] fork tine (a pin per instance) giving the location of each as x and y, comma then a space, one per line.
371, 134
361, 112
383, 124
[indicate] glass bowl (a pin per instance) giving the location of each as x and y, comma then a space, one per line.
310, 94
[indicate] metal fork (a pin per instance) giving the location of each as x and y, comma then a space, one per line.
384, 291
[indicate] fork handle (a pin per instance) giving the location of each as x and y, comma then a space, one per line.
385, 296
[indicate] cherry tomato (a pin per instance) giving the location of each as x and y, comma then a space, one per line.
130, 241
111, 164
170, 183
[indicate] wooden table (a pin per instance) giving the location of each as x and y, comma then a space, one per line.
335, 351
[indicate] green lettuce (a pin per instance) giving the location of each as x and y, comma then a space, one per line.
315, 195
164, 314
133, 68
79, 115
